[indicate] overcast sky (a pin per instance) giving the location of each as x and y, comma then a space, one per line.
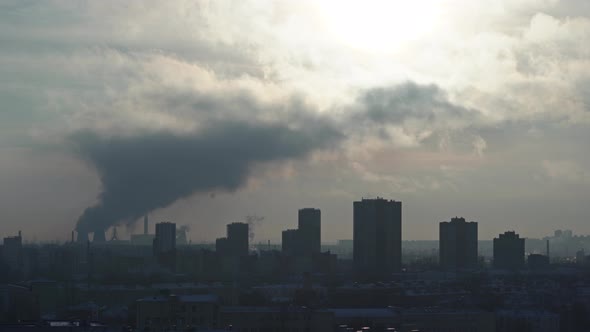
203, 112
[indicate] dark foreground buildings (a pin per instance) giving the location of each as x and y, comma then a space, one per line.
509, 251
458, 244
377, 236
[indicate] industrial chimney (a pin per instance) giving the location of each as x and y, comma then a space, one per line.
145, 225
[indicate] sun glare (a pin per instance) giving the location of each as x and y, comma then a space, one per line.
379, 25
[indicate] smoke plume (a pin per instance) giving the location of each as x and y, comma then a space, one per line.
145, 172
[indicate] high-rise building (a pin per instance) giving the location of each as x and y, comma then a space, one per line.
290, 242
222, 246
458, 244
237, 241
377, 236
508, 251
310, 230
12, 251
238, 236
165, 240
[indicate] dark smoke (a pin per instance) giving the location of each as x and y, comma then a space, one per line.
149, 171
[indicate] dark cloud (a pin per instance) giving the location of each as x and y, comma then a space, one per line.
145, 172
411, 101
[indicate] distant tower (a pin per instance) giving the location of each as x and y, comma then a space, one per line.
238, 235
12, 251
377, 236
145, 225
290, 242
509, 251
164, 244
310, 230
458, 244
165, 240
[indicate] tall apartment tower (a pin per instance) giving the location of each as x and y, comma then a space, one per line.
12, 251
165, 240
458, 244
290, 242
310, 230
377, 236
509, 251
238, 237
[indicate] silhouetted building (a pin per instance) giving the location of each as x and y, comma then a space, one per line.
165, 244
12, 252
377, 236
310, 230
222, 246
508, 251
237, 241
290, 242
458, 244
165, 240
238, 236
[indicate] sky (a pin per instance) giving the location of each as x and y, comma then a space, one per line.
205, 112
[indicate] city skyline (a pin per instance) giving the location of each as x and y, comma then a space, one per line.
204, 112
298, 165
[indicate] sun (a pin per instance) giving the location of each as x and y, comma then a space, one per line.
379, 25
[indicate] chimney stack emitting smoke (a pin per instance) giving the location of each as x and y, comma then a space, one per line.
145, 225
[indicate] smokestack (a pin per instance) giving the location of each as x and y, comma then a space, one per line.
145, 225
20, 234
72, 236
99, 236
547, 249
